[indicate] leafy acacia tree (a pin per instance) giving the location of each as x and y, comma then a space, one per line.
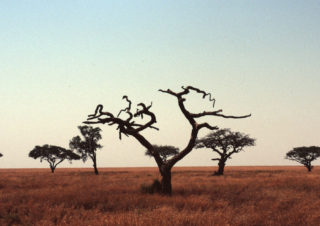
54, 155
304, 155
87, 146
164, 151
129, 127
225, 143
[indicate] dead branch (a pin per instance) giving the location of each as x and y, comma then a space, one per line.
191, 117
215, 159
127, 109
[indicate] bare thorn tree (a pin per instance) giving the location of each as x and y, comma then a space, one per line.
129, 127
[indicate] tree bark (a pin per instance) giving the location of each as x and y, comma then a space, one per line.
95, 166
166, 187
309, 167
221, 166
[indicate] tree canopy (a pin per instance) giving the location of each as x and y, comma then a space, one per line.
304, 155
54, 155
164, 151
225, 143
87, 146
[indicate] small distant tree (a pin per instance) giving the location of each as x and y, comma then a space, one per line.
304, 155
87, 146
54, 155
225, 143
164, 151
1, 155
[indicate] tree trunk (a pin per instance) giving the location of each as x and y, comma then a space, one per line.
52, 169
309, 167
95, 167
166, 187
221, 166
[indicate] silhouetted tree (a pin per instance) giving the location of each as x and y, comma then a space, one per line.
89, 145
54, 155
164, 151
225, 143
1, 155
304, 155
129, 127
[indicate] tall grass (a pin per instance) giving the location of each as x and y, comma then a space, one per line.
244, 196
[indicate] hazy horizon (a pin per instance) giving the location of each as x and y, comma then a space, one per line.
59, 60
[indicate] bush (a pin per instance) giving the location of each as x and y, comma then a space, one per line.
155, 187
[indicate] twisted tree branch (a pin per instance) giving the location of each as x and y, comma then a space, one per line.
128, 126
127, 109
191, 117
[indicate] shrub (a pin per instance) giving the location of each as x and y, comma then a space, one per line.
155, 187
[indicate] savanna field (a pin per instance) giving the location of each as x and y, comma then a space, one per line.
244, 196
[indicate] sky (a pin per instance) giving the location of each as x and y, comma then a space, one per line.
59, 59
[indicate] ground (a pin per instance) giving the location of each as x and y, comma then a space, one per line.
244, 196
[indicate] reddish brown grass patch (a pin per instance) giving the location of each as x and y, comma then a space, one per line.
244, 196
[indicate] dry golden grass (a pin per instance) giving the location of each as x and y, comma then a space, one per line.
244, 196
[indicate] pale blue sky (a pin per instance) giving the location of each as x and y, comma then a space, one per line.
59, 59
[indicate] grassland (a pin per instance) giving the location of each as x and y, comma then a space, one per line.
244, 196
